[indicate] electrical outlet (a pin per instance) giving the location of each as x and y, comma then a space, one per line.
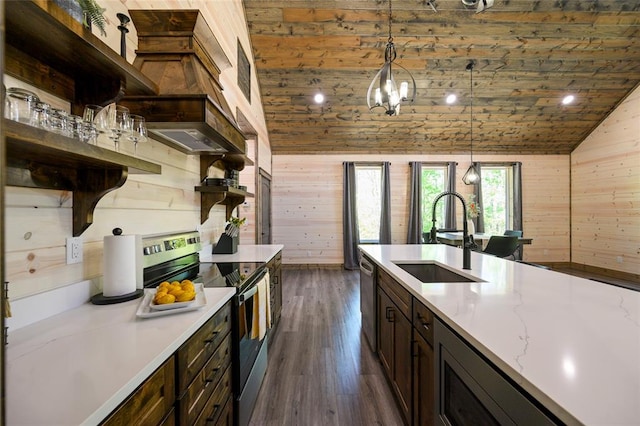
619, 259
74, 250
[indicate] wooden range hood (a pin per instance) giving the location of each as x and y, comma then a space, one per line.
178, 51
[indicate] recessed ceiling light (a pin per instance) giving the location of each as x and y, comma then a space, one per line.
319, 98
451, 98
568, 99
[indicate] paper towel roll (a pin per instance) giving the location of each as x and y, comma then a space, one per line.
120, 270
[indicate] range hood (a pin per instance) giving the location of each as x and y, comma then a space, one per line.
178, 51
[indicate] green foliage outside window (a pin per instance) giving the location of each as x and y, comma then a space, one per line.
496, 199
433, 183
369, 202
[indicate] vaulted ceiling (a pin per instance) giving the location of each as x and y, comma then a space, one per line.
528, 55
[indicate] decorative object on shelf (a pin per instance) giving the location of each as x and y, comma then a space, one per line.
383, 91
471, 177
93, 14
124, 20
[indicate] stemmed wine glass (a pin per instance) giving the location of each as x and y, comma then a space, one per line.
137, 131
95, 122
119, 123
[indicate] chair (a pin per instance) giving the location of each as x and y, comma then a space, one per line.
518, 254
502, 246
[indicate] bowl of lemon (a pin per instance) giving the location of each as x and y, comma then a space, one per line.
173, 295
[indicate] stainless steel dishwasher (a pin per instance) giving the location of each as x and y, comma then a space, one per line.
368, 300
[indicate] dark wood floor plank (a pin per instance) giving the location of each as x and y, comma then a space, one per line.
321, 370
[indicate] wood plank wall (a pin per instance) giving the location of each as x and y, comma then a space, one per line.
307, 203
605, 187
37, 222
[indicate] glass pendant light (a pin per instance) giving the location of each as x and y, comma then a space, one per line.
383, 91
471, 177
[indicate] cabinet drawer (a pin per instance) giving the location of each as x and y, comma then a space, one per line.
423, 320
151, 402
196, 351
396, 292
203, 385
216, 403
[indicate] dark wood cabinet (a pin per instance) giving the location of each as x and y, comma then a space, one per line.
275, 290
204, 371
152, 403
423, 365
394, 341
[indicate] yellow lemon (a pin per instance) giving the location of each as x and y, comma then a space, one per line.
166, 299
185, 296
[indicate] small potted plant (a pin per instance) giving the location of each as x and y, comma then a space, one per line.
92, 13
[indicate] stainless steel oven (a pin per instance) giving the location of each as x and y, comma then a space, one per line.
249, 346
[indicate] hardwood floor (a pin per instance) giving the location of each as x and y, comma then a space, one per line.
321, 371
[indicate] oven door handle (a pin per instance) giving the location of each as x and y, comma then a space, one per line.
248, 294
253, 290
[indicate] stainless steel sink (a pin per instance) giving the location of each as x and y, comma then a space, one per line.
433, 273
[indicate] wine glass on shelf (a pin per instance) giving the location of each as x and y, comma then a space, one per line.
95, 122
119, 124
137, 131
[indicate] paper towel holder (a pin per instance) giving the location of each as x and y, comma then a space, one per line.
101, 299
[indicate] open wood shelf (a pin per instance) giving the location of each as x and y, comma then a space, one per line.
41, 33
40, 159
210, 195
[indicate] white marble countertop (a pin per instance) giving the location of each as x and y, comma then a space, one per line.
76, 367
245, 253
572, 343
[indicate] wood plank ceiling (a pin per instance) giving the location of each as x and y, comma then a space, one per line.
529, 54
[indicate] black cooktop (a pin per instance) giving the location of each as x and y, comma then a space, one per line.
230, 274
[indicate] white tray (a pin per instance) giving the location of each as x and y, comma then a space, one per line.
145, 311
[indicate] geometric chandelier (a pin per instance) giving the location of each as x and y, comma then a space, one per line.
471, 177
384, 92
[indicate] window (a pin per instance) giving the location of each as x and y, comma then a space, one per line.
369, 202
434, 181
497, 199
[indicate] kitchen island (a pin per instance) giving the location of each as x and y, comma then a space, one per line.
76, 367
572, 344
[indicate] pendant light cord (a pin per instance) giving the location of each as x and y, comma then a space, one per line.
390, 38
471, 110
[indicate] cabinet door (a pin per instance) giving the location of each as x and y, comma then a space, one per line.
423, 381
386, 310
394, 350
151, 402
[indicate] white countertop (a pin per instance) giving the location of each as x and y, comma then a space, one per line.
572, 343
245, 253
76, 367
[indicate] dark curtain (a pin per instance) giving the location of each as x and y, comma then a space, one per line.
414, 231
351, 238
450, 206
517, 203
385, 206
477, 190
517, 196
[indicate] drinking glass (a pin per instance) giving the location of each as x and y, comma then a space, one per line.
138, 131
119, 124
40, 115
97, 123
58, 120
